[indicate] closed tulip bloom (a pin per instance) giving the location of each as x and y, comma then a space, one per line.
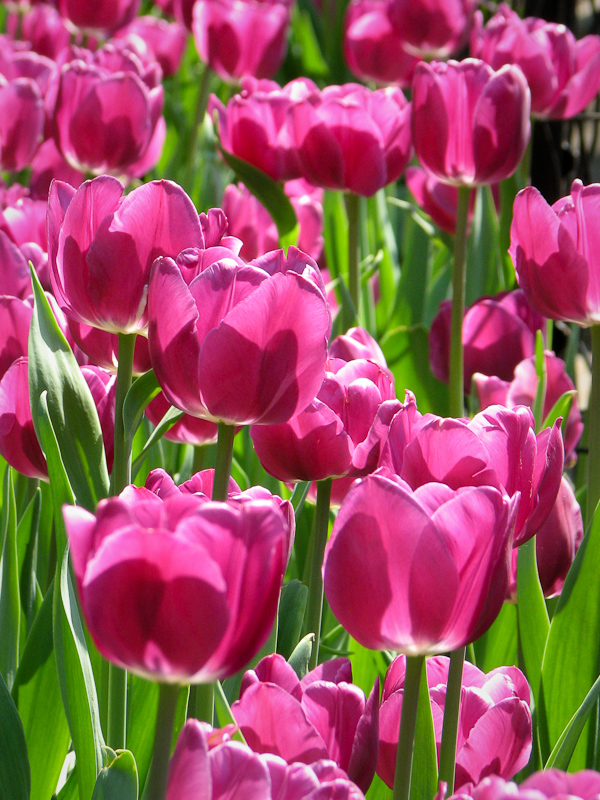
242, 343
494, 727
470, 124
549, 784
18, 442
321, 716
563, 73
357, 343
432, 28
105, 15
21, 122
43, 27
242, 37
102, 245
353, 139
439, 200
420, 572
188, 430
157, 40
161, 591
554, 250
15, 321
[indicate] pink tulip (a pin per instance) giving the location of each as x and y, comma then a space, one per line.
106, 15
341, 432
15, 321
554, 251
522, 391
102, 348
49, 164
420, 572
353, 139
439, 200
498, 332
357, 343
222, 770
321, 716
188, 430
43, 27
102, 245
432, 28
107, 108
241, 343
241, 37
14, 271
498, 447
181, 590
373, 48
563, 73
470, 124
21, 122
551, 784
156, 39
494, 728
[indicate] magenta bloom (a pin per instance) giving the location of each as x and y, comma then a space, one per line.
43, 27
357, 343
189, 430
156, 40
205, 766
494, 728
432, 28
101, 14
563, 73
470, 124
21, 122
241, 343
353, 139
550, 784
554, 250
101, 246
321, 716
107, 109
18, 442
421, 572
439, 200
161, 590
242, 37
498, 332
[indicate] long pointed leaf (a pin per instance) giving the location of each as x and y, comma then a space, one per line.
14, 763
10, 600
118, 780
141, 392
564, 748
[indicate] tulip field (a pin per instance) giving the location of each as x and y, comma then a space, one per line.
299, 400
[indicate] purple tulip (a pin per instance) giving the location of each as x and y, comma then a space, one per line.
156, 39
43, 27
551, 784
106, 15
494, 728
420, 572
439, 200
357, 343
432, 28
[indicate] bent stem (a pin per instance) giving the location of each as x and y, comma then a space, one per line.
314, 607
451, 715
593, 490
156, 783
457, 368
225, 438
408, 724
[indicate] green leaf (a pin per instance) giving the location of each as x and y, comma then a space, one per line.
142, 700
10, 599
141, 392
268, 192
570, 666
532, 616
499, 645
305, 43
563, 750
301, 655
118, 780
424, 782
561, 408
542, 376
170, 418
292, 605
37, 695
27, 542
76, 682
15, 782
223, 712
71, 409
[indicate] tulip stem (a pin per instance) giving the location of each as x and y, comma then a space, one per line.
225, 438
314, 606
116, 728
156, 783
408, 724
201, 704
121, 471
200, 111
353, 214
451, 715
457, 367
593, 486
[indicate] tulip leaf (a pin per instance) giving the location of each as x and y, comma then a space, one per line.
27, 536
561, 408
570, 665
224, 714
15, 782
142, 699
118, 780
424, 781
76, 681
71, 408
301, 655
499, 645
307, 45
10, 599
170, 418
532, 616
565, 746
292, 605
268, 192
141, 392
37, 694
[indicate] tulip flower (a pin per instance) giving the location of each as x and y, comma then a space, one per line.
495, 732
240, 38
43, 27
563, 73
106, 15
432, 28
439, 200
353, 139
419, 572
497, 334
188, 430
470, 124
21, 123
321, 716
161, 590
156, 40
357, 343
549, 784
241, 343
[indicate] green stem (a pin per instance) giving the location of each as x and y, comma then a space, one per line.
199, 458
116, 733
156, 783
593, 489
408, 724
451, 715
314, 606
457, 368
121, 471
353, 214
201, 704
200, 111
223, 461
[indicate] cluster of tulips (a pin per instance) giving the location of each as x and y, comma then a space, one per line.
290, 507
